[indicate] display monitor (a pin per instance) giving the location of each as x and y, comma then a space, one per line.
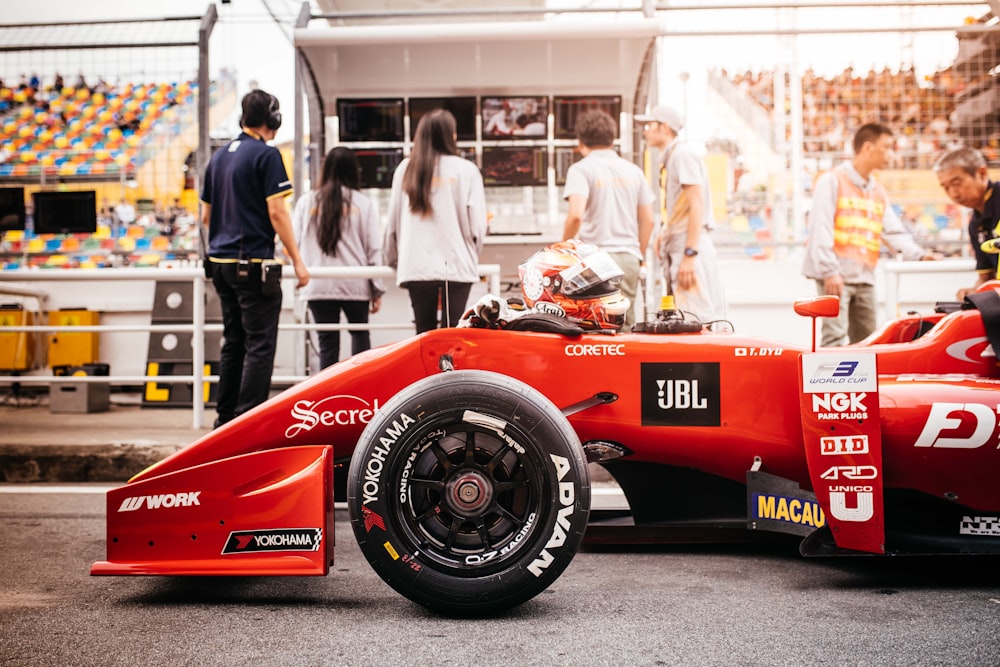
377, 166
462, 108
566, 109
515, 165
65, 212
564, 157
515, 117
370, 119
11, 209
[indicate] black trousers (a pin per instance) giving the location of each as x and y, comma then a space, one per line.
327, 311
250, 335
426, 296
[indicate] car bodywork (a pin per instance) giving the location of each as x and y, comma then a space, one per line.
886, 447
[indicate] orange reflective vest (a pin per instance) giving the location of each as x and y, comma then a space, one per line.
857, 222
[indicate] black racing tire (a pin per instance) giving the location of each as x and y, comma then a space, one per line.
469, 492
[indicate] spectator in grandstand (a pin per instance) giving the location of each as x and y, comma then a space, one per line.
965, 178
850, 219
683, 244
436, 223
338, 226
610, 202
106, 214
124, 213
244, 207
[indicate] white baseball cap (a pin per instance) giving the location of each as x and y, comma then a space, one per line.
669, 116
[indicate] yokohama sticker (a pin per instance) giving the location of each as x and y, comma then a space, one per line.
376, 458
274, 539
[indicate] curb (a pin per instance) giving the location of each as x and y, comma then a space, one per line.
91, 463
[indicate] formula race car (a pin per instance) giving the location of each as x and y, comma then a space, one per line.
467, 449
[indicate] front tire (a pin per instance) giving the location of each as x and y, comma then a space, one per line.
469, 492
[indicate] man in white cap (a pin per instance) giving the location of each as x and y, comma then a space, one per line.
682, 244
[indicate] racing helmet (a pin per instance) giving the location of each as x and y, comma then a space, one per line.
577, 281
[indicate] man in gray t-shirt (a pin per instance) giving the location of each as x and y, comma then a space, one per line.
683, 245
610, 202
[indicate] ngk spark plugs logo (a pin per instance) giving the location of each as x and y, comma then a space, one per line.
839, 373
680, 394
274, 539
340, 410
827, 406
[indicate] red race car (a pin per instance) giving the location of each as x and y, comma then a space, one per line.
468, 486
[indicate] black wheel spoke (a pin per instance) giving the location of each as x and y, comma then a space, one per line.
470, 448
497, 457
432, 484
453, 532
506, 513
510, 485
484, 534
441, 456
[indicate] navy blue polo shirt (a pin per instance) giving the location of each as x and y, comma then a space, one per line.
239, 181
985, 226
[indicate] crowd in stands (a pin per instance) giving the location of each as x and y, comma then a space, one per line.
125, 236
833, 108
80, 129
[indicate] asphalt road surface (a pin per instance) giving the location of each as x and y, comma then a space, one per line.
730, 605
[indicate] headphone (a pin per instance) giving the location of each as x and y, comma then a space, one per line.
273, 120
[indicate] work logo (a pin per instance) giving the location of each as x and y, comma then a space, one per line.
274, 539
680, 394
162, 500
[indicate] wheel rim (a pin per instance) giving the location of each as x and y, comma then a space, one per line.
468, 498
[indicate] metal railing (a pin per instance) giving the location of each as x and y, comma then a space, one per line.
895, 271
198, 327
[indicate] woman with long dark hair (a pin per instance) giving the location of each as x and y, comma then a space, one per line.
337, 225
437, 221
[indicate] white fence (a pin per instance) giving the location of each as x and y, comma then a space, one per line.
23, 283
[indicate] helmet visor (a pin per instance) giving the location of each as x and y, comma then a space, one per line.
589, 272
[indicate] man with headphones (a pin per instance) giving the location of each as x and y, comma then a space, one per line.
243, 207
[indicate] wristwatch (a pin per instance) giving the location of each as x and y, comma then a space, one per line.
690, 252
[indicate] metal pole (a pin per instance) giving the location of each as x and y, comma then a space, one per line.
198, 352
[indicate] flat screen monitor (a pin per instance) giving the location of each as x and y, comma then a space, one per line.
11, 209
66, 212
377, 166
564, 157
515, 117
566, 109
515, 165
371, 119
462, 108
